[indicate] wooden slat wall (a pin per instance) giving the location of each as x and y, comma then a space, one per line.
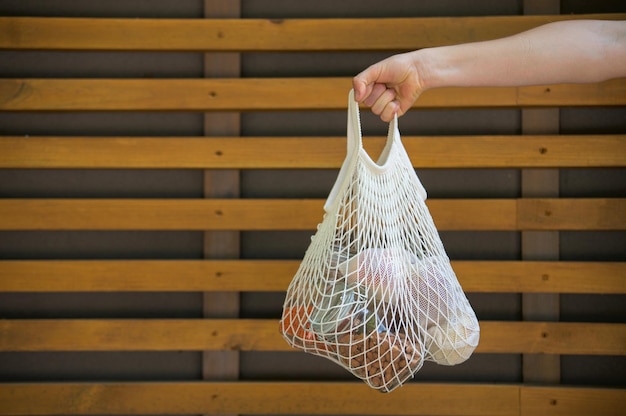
240, 35
240, 214
535, 151
301, 214
250, 94
49, 276
307, 398
261, 335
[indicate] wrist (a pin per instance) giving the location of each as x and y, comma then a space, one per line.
431, 68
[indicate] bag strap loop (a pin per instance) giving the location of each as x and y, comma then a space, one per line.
355, 137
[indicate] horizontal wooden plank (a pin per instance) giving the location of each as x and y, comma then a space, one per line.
541, 276
222, 214
161, 214
564, 214
275, 275
567, 401
36, 33
563, 338
307, 398
140, 335
250, 94
605, 93
310, 398
262, 335
307, 152
300, 214
146, 275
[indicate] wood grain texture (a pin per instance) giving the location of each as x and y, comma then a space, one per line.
275, 275
222, 97
306, 398
117, 398
250, 94
27, 33
566, 401
300, 214
306, 152
221, 365
579, 214
510, 337
540, 245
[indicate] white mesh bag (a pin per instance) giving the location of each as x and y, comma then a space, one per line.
375, 291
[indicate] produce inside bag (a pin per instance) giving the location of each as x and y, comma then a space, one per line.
358, 332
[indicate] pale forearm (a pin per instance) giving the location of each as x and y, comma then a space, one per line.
564, 52
576, 51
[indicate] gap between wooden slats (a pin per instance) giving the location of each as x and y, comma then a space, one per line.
510, 337
35, 33
250, 94
300, 214
313, 152
274, 275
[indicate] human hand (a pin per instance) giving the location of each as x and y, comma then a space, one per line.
390, 86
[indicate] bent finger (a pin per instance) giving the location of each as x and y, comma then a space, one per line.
377, 91
392, 108
383, 100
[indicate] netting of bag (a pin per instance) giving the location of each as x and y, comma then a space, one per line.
375, 291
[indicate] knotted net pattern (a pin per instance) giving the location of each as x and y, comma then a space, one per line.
375, 291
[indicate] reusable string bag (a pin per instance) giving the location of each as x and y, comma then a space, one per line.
375, 291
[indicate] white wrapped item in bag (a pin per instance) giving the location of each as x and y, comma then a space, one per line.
375, 291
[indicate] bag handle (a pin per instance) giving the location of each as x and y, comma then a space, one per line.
355, 146
355, 136
355, 143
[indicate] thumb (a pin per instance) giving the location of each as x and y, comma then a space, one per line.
364, 82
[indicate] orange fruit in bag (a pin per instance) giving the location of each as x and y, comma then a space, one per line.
295, 325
